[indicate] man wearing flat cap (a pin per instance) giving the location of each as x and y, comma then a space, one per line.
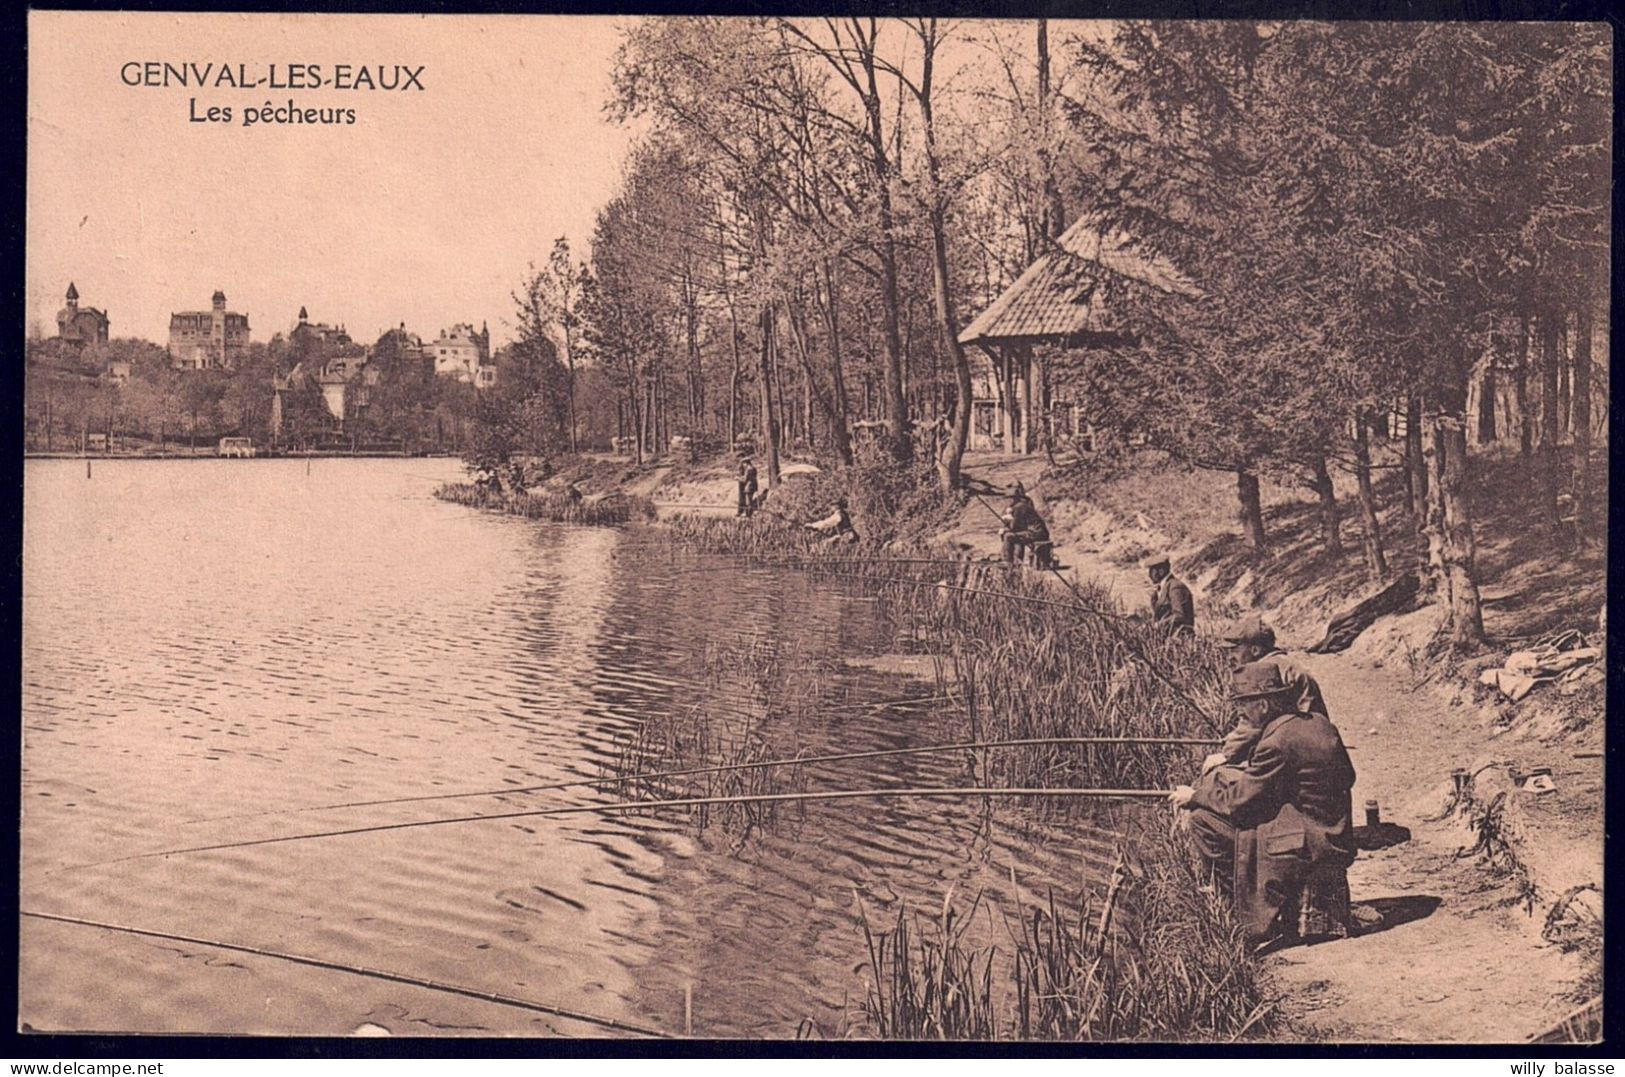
1171, 605
1251, 640
1265, 827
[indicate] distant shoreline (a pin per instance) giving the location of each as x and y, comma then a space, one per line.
210, 454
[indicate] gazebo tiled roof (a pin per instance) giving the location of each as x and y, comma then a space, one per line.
1059, 296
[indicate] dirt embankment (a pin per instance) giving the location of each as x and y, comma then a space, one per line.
1490, 905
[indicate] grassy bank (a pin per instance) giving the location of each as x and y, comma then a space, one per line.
555, 506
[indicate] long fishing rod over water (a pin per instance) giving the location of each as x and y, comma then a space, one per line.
680, 802
359, 970
786, 761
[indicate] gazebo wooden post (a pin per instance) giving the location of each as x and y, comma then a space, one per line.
1029, 427
1011, 421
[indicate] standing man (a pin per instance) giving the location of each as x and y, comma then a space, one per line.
1265, 828
1171, 604
747, 488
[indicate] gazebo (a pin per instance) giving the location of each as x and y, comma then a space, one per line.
1057, 301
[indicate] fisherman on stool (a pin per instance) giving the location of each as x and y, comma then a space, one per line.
1276, 830
1025, 530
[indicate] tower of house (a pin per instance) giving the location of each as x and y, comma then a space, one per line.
73, 298
219, 300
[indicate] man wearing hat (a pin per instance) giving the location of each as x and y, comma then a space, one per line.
1023, 527
1171, 605
1251, 640
837, 526
1281, 819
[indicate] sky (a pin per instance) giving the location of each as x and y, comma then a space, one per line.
426, 210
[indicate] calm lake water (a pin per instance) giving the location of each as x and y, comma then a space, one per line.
219, 651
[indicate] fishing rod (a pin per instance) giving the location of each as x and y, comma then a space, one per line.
680, 802
834, 757
359, 970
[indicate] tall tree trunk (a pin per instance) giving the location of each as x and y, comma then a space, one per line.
1433, 520
696, 377
814, 391
770, 423
570, 381
733, 380
634, 386
1416, 473
1550, 466
840, 430
1054, 212
733, 338
897, 425
1582, 420
1486, 394
1564, 358
1371, 535
1466, 617
1520, 390
1330, 532
1252, 508
950, 460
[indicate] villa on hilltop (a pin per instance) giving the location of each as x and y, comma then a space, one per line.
78, 326
213, 339
463, 354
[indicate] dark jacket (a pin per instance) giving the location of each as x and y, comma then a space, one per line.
1240, 740
1291, 807
1024, 519
1171, 604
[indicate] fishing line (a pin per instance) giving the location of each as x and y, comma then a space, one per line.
879, 753
682, 802
375, 974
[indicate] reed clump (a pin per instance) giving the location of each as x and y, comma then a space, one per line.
553, 506
1152, 957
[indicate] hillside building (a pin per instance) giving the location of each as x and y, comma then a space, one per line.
318, 337
464, 354
211, 339
79, 326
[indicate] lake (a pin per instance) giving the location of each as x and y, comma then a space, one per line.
218, 652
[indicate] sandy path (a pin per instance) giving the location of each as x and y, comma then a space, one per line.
1461, 960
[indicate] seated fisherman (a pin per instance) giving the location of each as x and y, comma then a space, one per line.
837, 526
1265, 827
1171, 604
1251, 640
1023, 527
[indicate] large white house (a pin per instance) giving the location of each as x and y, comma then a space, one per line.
464, 354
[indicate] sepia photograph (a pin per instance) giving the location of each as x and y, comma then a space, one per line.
816, 529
